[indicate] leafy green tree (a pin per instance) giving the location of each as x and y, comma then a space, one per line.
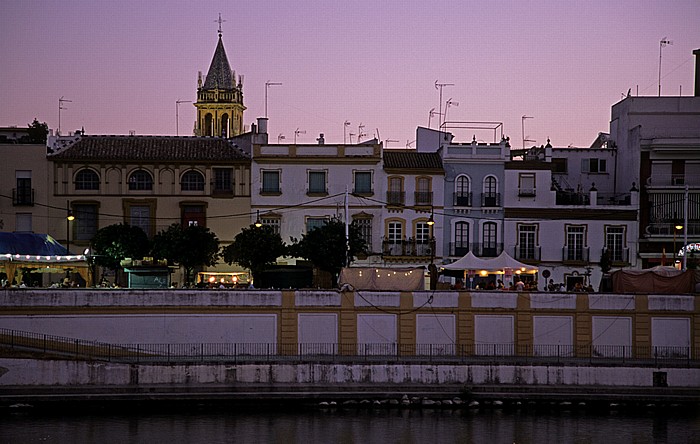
190, 247
255, 248
325, 246
114, 243
37, 132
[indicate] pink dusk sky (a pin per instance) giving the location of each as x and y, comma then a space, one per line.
124, 64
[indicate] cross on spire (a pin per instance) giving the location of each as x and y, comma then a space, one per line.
219, 22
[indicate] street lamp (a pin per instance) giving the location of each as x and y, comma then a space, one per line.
69, 218
677, 227
258, 223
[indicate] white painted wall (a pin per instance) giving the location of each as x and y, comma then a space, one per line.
553, 335
612, 335
376, 333
435, 334
494, 334
317, 333
671, 332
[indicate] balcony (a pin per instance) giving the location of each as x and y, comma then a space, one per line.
667, 229
573, 198
619, 199
409, 248
575, 255
423, 198
459, 249
527, 254
463, 199
673, 180
487, 249
490, 199
396, 198
22, 197
619, 257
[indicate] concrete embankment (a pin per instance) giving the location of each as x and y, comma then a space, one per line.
29, 381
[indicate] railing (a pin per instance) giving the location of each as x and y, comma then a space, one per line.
575, 254
618, 256
347, 352
614, 199
462, 199
668, 228
527, 253
673, 180
410, 247
459, 248
572, 198
490, 199
487, 250
395, 197
22, 196
423, 198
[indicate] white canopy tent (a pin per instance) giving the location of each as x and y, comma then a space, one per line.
502, 264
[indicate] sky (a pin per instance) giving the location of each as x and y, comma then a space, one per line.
564, 63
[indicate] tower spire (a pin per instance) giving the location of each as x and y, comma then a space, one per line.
219, 22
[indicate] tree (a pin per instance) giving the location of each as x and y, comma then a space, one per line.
255, 248
115, 242
190, 247
37, 132
325, 246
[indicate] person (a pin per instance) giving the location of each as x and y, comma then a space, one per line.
578, 287
551, 286
519, 286
499, 285
590, 289
562, 287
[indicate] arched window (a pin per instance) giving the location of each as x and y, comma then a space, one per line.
489, 239
192, 181
87, 179
463, 195
224, 125
208, 125
490, 197
140, 180
461, 242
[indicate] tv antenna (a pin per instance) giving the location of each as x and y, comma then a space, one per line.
387, 141
522, 122
280, 137
268, 84
61, 101
297, 132
448, 104
430, 115
346, 124
662, 44
360, 132
440, 86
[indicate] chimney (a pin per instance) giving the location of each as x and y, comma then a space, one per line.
696, 53
262, 125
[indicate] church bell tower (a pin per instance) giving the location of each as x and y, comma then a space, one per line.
219, 98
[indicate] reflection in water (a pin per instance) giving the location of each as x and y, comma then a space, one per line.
349, 426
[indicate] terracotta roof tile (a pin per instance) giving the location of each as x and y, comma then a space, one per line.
412, 159
151, 148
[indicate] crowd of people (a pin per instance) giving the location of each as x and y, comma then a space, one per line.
521, 285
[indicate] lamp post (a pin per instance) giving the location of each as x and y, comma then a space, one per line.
258, 222
677, 227
432, 269
69, 218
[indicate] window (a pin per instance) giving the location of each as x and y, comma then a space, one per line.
271, 182
85, 222
364, 226
527, 240
87, 179
223, 180
463, 197
559, 165
140, 180
394, 245
594, 166
423, 194
489, 238
23, 222
395, 194
193, 215
140, 216
275, 222
395, 234
363, 182
526, 184
423, 241
317, 182
192, 181
490, 196
315, 222
575, 238
615, 243
23, 194
461, 246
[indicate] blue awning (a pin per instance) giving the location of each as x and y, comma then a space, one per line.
34, 247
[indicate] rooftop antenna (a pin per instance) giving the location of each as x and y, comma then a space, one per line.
268, 84
386, 142
346, 124
662, 44
448, 104
219, 22
430, 115
409, 143
297, 132
360, 132
177, 114
440, 86
351, 134
61, 101
280, 137
522, 122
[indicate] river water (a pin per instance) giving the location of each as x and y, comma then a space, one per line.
349, 426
